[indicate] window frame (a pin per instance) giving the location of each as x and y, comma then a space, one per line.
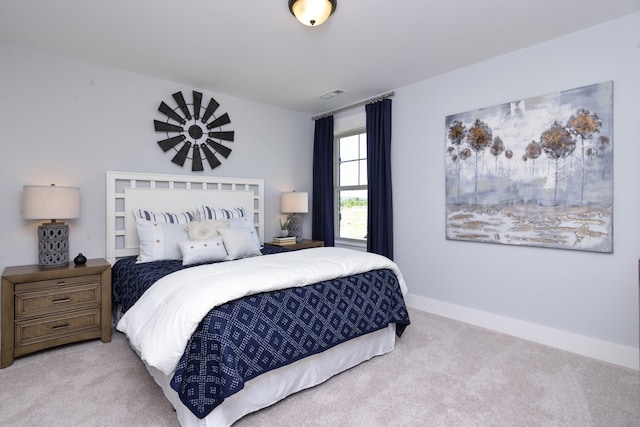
337, 188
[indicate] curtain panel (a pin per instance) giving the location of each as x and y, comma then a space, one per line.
380, 210
322, 225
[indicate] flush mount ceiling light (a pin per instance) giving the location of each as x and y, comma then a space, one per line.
312, 12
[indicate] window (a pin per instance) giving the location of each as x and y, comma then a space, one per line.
351, 186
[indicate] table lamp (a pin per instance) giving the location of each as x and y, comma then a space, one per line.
294, 204
51, 202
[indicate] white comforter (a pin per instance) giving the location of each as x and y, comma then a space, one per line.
160, 324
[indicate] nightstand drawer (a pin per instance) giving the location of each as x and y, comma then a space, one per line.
46, 302
56, 283
53, 327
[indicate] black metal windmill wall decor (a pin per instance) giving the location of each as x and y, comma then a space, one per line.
194, 131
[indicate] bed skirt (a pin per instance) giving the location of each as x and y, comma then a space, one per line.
273, 386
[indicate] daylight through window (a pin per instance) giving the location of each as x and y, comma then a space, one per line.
351, 186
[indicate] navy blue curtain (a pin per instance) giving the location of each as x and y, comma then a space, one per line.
380, 211
322, 225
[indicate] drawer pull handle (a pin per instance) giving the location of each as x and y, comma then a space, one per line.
59, 327
61, 300
61, 283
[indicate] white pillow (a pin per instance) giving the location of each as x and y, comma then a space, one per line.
204, 230
197, 251
168, 217
239, 243
159, 241
248, 225
207, 212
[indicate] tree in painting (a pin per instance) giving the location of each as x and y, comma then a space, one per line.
457, 133
557, 144
585, 125
479, 138
497, 148
508, 154
602, 151
533, 151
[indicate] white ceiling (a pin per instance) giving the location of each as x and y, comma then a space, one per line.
255, 49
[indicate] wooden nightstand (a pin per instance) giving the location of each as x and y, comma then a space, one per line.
305, 244
47, 307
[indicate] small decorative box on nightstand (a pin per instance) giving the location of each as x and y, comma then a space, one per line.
304, 244
47, 307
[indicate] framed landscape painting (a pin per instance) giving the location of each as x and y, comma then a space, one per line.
534, 172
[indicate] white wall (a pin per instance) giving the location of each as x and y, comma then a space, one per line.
580, 294
67, 122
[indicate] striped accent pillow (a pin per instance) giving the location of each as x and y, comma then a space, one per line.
207, 212
166, 217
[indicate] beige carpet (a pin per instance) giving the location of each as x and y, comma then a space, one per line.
442, 373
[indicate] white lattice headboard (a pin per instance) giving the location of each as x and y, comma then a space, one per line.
127, 191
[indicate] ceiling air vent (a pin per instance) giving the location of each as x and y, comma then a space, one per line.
333, 93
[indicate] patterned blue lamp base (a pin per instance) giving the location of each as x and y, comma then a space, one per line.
295, 226
53, 244
294, 204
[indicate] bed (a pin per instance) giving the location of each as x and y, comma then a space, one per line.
228, 332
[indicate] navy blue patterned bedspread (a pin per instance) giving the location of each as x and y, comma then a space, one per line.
244, 338
130, 280
239, 340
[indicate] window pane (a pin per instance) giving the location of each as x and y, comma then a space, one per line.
363, 145
349, 148
363, 172
348, 173
353, 214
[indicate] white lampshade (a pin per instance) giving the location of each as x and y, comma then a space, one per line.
294, 202
50, 202
312, 12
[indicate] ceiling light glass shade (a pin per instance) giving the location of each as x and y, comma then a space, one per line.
312, 12
50, 202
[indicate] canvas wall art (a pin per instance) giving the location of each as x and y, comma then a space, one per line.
534, 172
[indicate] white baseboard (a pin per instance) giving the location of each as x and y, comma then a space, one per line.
597, 349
